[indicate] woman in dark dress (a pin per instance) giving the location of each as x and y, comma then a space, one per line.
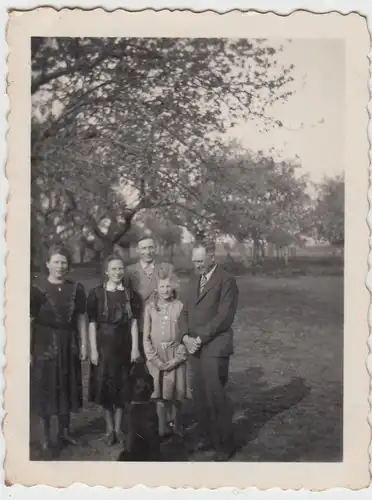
113, 336
58, 345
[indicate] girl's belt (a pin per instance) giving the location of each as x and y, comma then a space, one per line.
165, 345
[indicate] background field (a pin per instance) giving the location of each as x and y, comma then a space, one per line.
285, 378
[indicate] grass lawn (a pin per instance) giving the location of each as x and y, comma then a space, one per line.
285, 377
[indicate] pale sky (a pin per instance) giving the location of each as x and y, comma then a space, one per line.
320, 83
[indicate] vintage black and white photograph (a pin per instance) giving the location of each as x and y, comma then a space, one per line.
187, 216
187, 248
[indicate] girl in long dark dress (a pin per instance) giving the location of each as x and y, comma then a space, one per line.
58, 345
113, 335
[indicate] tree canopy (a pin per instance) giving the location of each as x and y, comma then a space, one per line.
134, 128
121, 125
329, 212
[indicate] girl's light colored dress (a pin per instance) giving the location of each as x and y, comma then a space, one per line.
159, 334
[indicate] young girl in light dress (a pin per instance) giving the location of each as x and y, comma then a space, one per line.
166, 357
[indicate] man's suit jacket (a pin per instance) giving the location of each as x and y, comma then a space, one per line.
210, 315
144, 288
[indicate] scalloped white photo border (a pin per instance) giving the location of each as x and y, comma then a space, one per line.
281, 7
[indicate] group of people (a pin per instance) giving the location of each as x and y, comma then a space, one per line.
135, 316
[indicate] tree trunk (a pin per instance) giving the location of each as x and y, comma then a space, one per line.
35, 252
256, 252
286, 256
108, 249
80, 252
199, 236
262, 252
98, 256
123, 251
171, 252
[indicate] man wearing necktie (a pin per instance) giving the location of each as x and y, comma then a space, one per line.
205, 329
203, 281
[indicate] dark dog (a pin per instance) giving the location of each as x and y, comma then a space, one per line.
143, 443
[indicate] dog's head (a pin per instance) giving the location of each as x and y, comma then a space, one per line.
141, 383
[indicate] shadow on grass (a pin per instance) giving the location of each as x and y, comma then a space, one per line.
255, 403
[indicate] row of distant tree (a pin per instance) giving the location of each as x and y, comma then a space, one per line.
127, 133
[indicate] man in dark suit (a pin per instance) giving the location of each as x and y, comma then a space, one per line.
142, 277
205, 329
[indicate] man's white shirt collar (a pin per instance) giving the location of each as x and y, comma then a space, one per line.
146, 265
209, 274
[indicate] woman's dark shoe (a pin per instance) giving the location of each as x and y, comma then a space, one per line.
44, 446
66, 438
177, 430
164, 438
46, 452
120, 437
110, 438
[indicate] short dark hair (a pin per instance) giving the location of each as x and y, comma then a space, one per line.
110, 258
59, 250
145, 237
106, 262
209, 246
